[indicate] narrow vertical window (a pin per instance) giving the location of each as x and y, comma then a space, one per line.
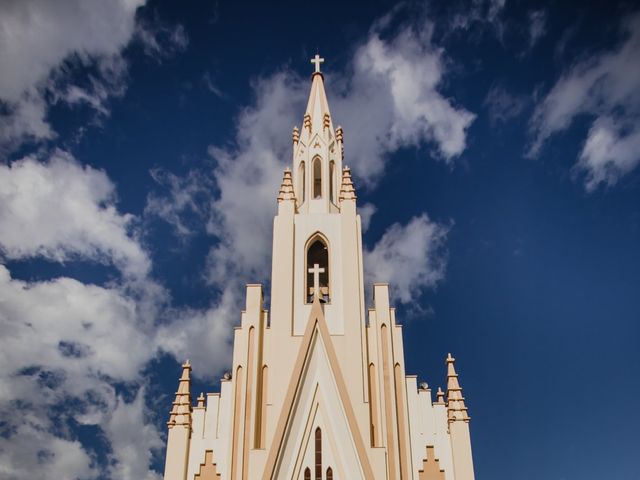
301, 182
317, 178
332, 181
329, 474
307, 474
318, 454
317, 277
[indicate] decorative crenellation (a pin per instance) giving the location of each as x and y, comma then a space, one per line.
296, 135
286, 187
347, 190
456, 408
181, 408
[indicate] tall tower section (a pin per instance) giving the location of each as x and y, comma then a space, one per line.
317, 387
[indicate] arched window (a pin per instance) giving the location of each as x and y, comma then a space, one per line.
301, 182
317, 254
317, 178
307, 474
318, 454
332, 181
329, 474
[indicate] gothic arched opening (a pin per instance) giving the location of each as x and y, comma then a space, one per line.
301, 182
332, 181
317, 178
317, 269
318, 454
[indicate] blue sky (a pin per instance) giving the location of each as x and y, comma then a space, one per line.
495, 147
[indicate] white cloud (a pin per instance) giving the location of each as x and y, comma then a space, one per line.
181, 197
409, 257
204, 337
605, 86
394, 85
537, 26
37, 36
610, 151
60, 209
63, 343
502, 105
366, 211
42, 43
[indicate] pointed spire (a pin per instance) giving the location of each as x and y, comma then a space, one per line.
181, 409
456, 408
286, 187
317, 115
440, 396
347, 190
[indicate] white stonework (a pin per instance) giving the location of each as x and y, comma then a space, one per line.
318, 388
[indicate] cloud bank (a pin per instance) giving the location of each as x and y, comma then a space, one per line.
606, 87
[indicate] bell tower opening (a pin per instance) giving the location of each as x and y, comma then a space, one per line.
317, 178
317, 268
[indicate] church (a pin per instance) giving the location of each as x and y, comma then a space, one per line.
318, 388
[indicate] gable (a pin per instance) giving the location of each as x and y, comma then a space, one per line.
317, 398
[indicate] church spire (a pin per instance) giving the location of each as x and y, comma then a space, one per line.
317, 117
456, 409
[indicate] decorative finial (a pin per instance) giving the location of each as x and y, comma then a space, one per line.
296, 135
181, 410
286, 187
456, 408
317, 61
226, 376
424, 386
440, 396
201, 400
347, 190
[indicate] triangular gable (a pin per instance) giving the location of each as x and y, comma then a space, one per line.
316, 337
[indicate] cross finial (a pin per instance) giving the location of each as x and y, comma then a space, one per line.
316, 270
317, 61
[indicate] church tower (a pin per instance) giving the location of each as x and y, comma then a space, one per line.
318, 388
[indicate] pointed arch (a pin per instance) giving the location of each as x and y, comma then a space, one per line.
329, 473
302, 183
317, 252
332, 181
317, 177
261, 408
373, 404
236, 421
307, 474
318, 454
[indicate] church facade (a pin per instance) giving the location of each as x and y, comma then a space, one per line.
318, 388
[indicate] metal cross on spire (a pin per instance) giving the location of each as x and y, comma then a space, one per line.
317, 61
316, 270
